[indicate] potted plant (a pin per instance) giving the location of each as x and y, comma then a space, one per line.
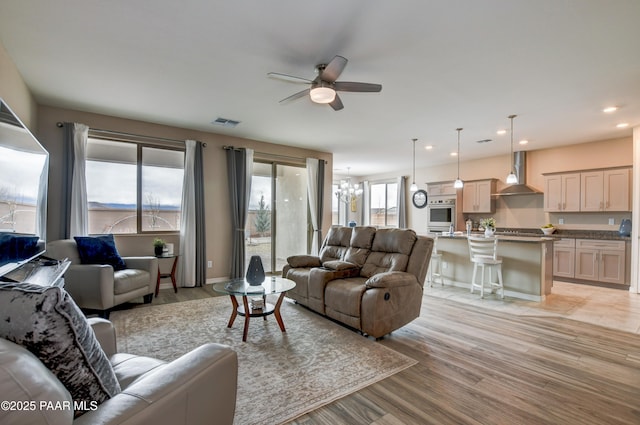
489, 225
158, 246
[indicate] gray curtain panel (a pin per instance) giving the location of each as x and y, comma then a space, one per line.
239, 201
402, 202
201, 240
320, 203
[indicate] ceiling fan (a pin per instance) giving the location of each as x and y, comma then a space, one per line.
324, 87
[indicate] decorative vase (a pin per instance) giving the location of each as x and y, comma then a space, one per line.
488, 232
255, 271
158, 250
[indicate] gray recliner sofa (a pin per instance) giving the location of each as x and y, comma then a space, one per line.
369, 279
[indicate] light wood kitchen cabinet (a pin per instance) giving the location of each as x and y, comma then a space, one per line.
477, 196
606, 190
601, 261
564, 255
440, 189
562, 192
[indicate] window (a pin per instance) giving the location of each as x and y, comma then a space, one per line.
277, 225
132, 187
384, 205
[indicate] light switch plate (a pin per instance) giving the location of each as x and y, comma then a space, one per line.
561, 221
612, 221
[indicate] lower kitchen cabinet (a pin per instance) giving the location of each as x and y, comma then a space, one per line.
601, 261
564, 257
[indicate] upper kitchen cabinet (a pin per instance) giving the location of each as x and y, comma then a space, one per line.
477, 196
606, 190
588, 191
562, 192
441, 189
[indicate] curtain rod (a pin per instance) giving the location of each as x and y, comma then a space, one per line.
121, 133
271, 155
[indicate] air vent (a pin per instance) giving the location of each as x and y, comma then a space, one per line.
483, 141
225, 122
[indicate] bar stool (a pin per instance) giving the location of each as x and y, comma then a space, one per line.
483, 254
435, 265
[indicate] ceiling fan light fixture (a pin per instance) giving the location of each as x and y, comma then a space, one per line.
322, 94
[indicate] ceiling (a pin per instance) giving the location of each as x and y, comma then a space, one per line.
442, 65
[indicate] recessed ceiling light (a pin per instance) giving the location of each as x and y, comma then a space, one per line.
610, 109
454, 154
523, 142
501, 132
428, 147
623, 125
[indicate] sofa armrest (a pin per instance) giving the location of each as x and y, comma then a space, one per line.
338, 265
105, 334
195, 389
391, 280
147, 263
90, 285
304, 261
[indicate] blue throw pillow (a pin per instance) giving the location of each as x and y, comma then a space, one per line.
99, 250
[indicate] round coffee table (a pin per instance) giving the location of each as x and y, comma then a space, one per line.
241, 288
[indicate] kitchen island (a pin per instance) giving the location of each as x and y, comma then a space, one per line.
527, 266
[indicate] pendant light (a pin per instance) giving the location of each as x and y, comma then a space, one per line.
414, 186
458, 184
512, 178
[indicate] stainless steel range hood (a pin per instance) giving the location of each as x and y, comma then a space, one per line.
521, 187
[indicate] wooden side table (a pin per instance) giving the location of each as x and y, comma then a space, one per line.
172, 275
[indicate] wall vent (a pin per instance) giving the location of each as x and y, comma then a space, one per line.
225, 122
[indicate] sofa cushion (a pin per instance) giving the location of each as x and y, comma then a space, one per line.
360, 245
394, 240
345, 295
380, 262
129, 367
128, 280
99, 250
296, 261
336, 244
47, 322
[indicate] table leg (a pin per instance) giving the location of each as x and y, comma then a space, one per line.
247, 313
276, 312
234, 312
158, 282
173, 274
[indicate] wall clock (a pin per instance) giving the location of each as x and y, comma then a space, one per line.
420, 199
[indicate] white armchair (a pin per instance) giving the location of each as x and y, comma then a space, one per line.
97, 287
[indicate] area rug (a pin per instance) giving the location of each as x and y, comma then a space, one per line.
281, 375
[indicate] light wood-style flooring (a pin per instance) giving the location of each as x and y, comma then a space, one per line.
502, 362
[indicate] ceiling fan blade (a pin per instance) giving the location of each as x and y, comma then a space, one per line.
333, 69
296, 95
357, 87
337, 103
288, 78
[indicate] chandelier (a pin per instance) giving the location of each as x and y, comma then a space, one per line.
348, 192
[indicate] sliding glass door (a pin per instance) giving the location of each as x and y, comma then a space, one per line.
277, 224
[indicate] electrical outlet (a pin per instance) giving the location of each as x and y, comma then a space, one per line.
561, 221
209, 264
612, 221
445, 265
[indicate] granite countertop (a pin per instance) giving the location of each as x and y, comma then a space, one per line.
536, 235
